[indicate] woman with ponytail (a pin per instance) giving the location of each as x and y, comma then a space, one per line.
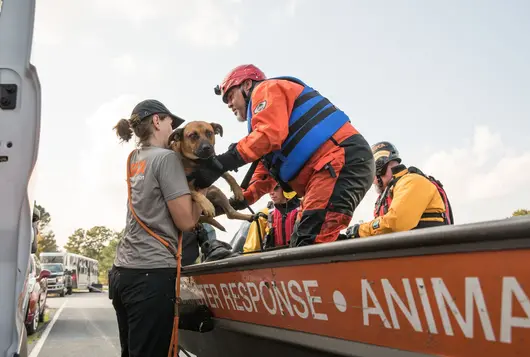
142, 279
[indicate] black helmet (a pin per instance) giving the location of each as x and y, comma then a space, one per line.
384, 152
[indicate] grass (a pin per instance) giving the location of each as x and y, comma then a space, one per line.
42, 325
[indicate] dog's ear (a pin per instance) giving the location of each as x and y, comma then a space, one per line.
176, 135
217, 128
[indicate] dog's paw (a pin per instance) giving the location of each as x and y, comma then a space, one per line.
238, 194
208, 208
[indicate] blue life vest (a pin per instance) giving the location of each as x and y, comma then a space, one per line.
313, 121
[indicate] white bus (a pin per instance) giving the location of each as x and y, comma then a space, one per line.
84, 270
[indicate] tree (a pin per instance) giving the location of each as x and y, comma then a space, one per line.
98, 242
96, 239
45, 237
108, 254
47, 243
75, 241
91, 242
521, 212
45, 218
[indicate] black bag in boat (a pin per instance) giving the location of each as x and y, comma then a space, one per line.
197, 318
213, 250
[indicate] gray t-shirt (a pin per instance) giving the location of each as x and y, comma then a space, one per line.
157, 176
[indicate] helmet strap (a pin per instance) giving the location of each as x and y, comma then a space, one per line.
245, 95
379, 182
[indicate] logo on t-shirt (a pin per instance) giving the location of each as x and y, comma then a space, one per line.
138, 170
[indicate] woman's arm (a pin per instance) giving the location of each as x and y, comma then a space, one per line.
185, 212
174, 186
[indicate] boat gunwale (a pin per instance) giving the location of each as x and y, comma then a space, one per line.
505, 234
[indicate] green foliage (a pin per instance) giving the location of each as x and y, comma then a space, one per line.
75, 242
107, 257
47, 243
90, 243
96, 238
521, 212
45, 218
45, 237
99, 243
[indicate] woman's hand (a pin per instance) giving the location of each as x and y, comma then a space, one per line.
202, 190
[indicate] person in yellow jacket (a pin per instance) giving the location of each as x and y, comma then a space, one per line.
408, 199
255, 236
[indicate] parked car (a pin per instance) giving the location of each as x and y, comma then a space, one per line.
59, 281
37, 293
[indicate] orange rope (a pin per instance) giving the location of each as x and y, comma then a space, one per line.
173, 347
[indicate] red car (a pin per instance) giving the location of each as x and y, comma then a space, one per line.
37, 293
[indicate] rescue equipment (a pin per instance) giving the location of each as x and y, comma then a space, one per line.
281, 221
236, 77
385, 199
384, 152
313, 121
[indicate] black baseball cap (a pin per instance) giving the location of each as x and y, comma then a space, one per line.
151, 106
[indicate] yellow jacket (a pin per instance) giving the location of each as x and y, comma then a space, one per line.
252, 243
412, 196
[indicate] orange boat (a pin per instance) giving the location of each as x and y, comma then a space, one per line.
448, 291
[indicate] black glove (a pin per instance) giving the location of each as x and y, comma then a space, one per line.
211, 169
231, 160
353, 231
206, 174
259, 215
237, 205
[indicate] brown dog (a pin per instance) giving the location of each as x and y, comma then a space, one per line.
196, 141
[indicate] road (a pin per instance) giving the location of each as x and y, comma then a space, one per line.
81, 325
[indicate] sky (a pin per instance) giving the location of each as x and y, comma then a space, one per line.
447, 82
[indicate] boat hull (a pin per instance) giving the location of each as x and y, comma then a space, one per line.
453, 291
236, 339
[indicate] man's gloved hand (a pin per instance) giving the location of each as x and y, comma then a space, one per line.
353, 231
206, 174
259, 215
231, 160
237, 205
211, 169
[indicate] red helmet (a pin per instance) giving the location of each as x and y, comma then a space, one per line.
237, 76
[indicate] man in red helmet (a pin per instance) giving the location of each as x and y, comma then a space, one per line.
304, 143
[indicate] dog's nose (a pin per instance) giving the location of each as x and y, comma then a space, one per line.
206, 150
